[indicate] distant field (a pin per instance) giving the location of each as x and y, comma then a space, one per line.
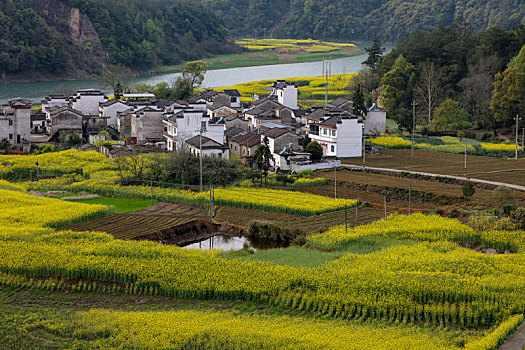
263, 52
311, 89
486, 168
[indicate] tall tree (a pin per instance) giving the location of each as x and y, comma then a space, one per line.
194, 72
263, 157
118, 78
428, 90
509, 90
359, 102
397, 91
450, 116
375, 55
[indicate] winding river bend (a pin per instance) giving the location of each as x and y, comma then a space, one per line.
213, 78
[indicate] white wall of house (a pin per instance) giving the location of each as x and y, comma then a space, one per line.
212, 152
111, 112
375, 122
147, 125
16, 126
287, 96
88, 104
189, 125
349, 138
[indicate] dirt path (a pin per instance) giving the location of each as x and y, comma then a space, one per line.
516, 341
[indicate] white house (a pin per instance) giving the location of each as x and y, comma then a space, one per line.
286, 93
375, 121
207, 147
146, 124
53, 101
341, 136
15, 121
87, 101
110, 109
188, 123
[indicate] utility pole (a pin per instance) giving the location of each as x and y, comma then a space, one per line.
335, 182
152, 192
346, 220
211, 206
364, 148
326, 85
385, 207
356, 209
200, 159
413, 124
465, 167
409, 199
517, 131
523, 140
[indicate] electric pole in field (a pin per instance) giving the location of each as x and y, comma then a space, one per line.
364, 148
413, 124
409, 199
517, 131
465, 166
335, 182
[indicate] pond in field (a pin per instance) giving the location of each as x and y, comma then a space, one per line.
228, 243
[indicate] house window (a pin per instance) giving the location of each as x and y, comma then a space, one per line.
203, 126
324, 131
10, 122
333, 133
17, 138
10, 136
332, 148
233, 100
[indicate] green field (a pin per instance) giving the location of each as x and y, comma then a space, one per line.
121, 205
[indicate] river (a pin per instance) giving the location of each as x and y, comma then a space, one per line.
213, 78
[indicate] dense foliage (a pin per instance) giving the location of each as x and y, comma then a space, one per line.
353, 19
41, 35
455, 65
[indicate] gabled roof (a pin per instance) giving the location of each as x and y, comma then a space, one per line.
232, 92
281, 84
274, 133
207, 94
110, 103
233, 131
60, 109
250, 139
207, 143
330, 122
341, 101
221, 104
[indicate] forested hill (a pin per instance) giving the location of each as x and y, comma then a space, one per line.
360, 19
76, 37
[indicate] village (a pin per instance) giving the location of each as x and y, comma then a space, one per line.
213, 123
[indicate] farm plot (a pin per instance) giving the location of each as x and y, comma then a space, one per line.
486, 168
132, 226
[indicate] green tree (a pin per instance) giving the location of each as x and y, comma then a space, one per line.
397, 89
315, 149
508, 98
194, 72
4, 144
263, 156
375, 55
118, 78
450, 116
468, 189
359, 102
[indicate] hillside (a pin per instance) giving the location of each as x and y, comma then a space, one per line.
359, 20
41, 38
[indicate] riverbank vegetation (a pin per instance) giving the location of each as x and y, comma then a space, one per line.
262, 52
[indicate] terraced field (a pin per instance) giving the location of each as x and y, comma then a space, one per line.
486, 168
132, 226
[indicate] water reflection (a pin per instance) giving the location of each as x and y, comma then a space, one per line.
228, 243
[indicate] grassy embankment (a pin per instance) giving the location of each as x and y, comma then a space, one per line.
262, 52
